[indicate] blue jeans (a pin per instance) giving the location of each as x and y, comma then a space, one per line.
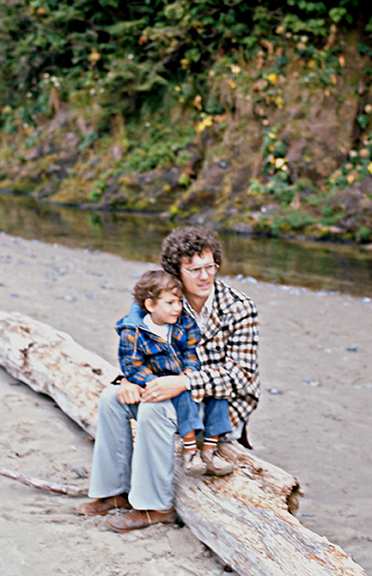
216, 415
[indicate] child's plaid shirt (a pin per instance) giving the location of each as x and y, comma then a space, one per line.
144, 355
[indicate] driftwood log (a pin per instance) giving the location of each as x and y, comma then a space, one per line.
246, 518
42, 484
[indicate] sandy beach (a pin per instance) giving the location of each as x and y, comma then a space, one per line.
314, 418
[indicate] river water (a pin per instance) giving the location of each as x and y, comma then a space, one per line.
320, 266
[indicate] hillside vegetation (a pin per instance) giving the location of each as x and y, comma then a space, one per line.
253, 116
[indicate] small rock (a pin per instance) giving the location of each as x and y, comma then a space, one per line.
91, 296
311, 382
367, 386
69, 298
274, 391
79, 471
352, 348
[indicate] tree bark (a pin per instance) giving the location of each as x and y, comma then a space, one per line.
246, 518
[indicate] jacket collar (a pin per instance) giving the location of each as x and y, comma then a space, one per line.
222, 304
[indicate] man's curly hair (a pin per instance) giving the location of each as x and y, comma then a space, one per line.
152, 283
185, 242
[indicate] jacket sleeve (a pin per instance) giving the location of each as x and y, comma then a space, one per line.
229, 362
131, 359
190, 358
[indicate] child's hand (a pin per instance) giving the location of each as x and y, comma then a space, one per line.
129, 393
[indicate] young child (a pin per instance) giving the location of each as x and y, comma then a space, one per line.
158, 338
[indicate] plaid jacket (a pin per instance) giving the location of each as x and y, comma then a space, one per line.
144, 355
228, 354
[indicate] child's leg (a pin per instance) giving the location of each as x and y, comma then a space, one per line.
189, 442
216, 422
188, 421
188, 416
216, 417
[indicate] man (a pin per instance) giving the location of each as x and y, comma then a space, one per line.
141, 478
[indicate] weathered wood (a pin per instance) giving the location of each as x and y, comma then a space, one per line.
51, 362
244, 517
67, 489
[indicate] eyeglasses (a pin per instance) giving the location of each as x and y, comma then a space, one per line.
211, 270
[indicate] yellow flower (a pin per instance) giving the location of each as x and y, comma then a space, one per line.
311, 64
232, 84
279, 162
369, 168
341, 60
177, 88
272, 78
350, 178
198, 102
207, 121
364, 153
235, 69
94, 56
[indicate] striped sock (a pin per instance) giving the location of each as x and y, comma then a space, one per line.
210, 443
190, 446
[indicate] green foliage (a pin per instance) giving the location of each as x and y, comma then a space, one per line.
363, 234
358, 166
163, 146
125, 56
98, 189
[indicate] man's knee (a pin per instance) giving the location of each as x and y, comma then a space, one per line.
107, 398
151, 415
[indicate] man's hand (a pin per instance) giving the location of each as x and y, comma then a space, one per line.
164, 388
129, 393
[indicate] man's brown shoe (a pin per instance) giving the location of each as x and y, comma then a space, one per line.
101, 506
136, 519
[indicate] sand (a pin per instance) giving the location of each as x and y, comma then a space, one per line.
314, 418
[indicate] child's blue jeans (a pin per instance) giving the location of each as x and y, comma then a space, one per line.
216, 415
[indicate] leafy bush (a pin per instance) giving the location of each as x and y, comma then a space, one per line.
125, 55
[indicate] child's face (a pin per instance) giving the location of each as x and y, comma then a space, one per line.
166, 309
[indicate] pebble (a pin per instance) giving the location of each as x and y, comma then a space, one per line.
311, 382
68, 298
352, 348
79, 470
274, 391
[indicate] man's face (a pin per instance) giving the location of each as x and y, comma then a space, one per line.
198, 283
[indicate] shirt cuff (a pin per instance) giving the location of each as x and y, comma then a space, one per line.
188, 382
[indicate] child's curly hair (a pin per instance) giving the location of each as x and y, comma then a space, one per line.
185, 242
152, 283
